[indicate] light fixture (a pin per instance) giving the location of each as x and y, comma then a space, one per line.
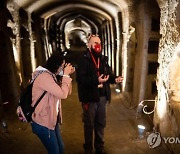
141, 127
117, 88
141, 130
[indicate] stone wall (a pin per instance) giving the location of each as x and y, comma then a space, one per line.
8, 74
18, 54
27, 42
167, 110
144, 72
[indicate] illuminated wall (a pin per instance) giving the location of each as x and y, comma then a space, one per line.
167, 109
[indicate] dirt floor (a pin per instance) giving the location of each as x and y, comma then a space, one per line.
121, 135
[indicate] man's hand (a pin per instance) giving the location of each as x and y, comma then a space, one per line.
103, 78
119, 79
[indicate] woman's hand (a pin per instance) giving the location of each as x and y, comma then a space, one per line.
72, 70
69, 69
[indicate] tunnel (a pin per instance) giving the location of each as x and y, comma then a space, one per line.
141, 40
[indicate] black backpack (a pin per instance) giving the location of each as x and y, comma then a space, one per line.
24, 109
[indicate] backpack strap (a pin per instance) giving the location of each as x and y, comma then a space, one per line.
37, 102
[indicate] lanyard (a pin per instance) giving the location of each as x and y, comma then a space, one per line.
97, 64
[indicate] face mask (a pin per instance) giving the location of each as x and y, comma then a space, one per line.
95, 54
61, 72
97, 48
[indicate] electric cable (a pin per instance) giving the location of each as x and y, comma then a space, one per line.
144, 109
128, 107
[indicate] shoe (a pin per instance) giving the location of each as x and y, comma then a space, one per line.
101, 152
87, 152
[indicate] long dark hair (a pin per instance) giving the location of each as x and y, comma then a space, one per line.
54, 62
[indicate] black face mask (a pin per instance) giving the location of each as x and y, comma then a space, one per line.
95, 54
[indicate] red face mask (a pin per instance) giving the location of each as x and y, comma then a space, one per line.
97, 48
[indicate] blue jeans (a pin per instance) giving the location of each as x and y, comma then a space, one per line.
51, 139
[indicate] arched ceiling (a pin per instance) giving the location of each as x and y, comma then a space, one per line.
50, 7
91, 9
90, 15
110, 16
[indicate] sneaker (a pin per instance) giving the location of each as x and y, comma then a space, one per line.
87, 152
101, 152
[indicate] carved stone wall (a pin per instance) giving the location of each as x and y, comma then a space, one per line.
23, 42
144, 59
8, 75
167, 111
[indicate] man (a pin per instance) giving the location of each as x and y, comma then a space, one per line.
94, 77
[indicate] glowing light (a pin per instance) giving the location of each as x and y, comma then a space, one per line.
15, 53
20, 77
33, 62
117, 90
178, 48
161, 104
141, 127
16, 59
65, 53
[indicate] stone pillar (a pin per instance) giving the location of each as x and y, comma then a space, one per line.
8, 76
142, 30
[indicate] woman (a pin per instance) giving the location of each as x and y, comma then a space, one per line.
47, 114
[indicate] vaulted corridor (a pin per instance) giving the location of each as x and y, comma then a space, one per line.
141, 39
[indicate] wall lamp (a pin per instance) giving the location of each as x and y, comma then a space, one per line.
118, 88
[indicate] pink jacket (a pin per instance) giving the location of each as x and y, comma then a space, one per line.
47, 110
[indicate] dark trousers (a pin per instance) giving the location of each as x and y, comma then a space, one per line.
94, 118
51, 139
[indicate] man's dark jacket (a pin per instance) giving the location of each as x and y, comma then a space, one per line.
87, 78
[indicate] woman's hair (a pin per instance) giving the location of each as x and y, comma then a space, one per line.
54, 62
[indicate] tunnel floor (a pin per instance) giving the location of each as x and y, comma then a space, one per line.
121, 135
